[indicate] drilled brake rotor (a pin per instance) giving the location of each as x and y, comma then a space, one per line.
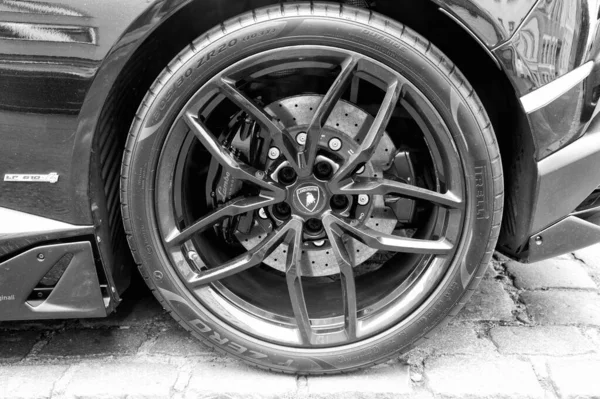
347, 122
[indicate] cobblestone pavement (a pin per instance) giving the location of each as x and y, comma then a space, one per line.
533, 331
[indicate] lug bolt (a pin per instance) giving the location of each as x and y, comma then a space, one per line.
323, 170
313, 226
339, 202
282, 210
287, 175
41, 257
193, 255
301, 138
274, 153
363, 199
319, 243
335, 144
262, 214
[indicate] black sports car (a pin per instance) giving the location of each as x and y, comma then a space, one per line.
312, 187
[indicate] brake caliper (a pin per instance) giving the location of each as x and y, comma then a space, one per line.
242, 138
402, 168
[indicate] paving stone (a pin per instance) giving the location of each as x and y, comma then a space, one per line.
233, 380
590, 255
91, 342
482, 377
120, 380
39, 325
30, 381
492, 269
14, 346
563, 307
490, 302
551, 273
457, 340
457, 362
576, 378
385, 380
417, 393
541, 340
593, 334
178, 342
540, 367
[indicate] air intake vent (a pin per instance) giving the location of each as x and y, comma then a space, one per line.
55, 273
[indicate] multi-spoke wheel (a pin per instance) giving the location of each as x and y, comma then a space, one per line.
309, 192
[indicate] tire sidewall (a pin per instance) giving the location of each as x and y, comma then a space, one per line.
217, 50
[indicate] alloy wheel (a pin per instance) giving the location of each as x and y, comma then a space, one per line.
300, 217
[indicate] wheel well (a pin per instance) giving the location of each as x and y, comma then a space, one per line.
167, 40
499, 99
489, 81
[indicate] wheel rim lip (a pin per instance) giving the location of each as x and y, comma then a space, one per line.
172, 258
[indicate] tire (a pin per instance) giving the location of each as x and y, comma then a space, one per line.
360, 31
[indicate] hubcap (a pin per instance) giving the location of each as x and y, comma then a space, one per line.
320, 219
308, 199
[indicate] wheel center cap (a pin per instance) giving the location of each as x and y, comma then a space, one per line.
308, 198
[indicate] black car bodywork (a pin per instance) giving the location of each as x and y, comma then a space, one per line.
72, 76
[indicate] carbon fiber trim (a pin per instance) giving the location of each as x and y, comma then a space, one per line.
76, 294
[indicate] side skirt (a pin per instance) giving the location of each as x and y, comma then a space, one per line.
51, 270
77, 293
568, 235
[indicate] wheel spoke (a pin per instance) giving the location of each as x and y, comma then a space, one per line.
370, 186
232, 208
294, 283
275, 128
344, 261
247, 260
374, 135
354, 89
244, 90
237, 169
388, 242
324, 110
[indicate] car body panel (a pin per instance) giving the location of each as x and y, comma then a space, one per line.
45, 77
556, 38
537, 42
60, 61
493, 22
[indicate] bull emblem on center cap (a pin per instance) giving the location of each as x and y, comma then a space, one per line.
309, 197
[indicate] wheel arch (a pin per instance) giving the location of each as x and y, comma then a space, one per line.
500, 99
164, 29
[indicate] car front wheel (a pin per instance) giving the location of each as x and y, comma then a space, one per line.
312, 188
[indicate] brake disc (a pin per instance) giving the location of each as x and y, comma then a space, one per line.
346, 123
